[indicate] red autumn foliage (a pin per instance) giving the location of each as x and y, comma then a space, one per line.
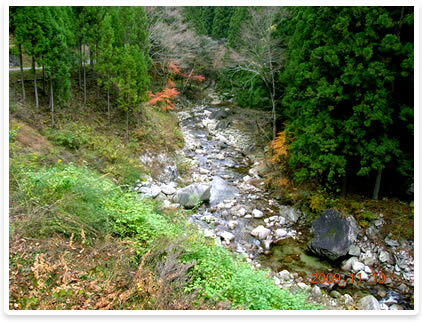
164, 98
174, 69
170, 83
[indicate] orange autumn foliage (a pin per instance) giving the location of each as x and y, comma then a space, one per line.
280, 147
164, 98
170, 83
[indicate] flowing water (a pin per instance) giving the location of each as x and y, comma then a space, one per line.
218, 157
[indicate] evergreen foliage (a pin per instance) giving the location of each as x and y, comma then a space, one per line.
348, 89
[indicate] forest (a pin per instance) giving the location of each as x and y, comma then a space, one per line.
148, 144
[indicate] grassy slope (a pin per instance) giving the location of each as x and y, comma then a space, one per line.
80, 240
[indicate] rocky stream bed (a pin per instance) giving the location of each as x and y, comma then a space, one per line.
233, 207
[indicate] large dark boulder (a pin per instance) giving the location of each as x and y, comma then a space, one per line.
333, 235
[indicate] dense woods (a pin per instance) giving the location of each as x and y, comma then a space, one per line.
339, 80
334, 86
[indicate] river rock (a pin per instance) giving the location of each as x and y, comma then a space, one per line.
227, 236
396, 307
391, 242
232, 224
304, 286
168, 189
280, 233
354, 250
316, 292
369, 302
285, 275
333, 235
257, 213
267, 243
290, 213
363, 275
358, 266
385, 257
191, 195
241, 212
335, 294
221, 190
260, 232
347, 300
218, 115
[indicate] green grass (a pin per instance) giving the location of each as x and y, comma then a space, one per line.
70, 199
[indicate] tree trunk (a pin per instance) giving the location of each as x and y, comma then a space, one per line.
22, 73
85, 86
35, 82
274, 116
80, 65
108, 104
52, 103
377, 185
127, 125
44, 80
344, 186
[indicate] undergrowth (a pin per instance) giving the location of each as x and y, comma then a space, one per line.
79, 208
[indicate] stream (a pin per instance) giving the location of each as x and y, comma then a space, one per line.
217, 148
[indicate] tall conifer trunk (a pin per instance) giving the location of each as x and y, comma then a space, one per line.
22, 73
80, 66
108, 104
377, 185
85, 86
52, 103
35, 82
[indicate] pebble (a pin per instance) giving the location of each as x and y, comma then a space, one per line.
257, 213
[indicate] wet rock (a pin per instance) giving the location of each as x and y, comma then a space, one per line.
369, 302
191, 195
221, 190
333, 235
260, 232
257, 213
290, 213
